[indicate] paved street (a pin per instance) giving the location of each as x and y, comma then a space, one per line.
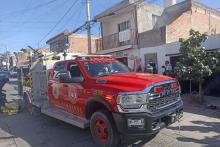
199, 127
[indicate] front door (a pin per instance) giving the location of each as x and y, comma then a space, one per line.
151, 62
72, 91
54, 86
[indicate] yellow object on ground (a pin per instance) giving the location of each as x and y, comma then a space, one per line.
10, 108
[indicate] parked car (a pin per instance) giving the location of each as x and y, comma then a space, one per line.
13, 74
4, 76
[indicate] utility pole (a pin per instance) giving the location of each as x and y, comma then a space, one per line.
88, 26
7, 56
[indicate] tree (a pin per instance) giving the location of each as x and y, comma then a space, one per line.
196, 63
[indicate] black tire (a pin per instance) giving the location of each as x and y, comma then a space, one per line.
103, 118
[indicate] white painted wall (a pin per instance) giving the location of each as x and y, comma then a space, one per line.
145, 13
110, 25
144, 18
213, 42
161, 54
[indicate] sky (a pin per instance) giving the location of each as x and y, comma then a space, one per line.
29, 22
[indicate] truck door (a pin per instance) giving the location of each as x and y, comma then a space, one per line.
72, 91
54, 86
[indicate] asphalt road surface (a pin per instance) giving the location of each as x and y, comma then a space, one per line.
200, 127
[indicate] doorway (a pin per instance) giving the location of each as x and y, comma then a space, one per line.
123, 60
151, 61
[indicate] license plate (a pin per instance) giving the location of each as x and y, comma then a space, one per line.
135, 122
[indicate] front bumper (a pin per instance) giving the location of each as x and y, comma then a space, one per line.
152, 122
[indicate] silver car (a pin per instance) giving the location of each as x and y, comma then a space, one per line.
4, 76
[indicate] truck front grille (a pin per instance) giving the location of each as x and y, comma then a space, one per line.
161, 100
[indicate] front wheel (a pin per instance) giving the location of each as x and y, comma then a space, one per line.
103, 129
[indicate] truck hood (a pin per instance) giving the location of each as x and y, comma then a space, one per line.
127, 82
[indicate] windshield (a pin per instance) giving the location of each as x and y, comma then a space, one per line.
104, 68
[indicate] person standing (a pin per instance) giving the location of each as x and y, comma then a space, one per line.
168, 68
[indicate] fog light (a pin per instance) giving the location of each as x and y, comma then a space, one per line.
139, 123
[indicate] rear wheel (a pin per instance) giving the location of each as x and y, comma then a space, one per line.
103, 129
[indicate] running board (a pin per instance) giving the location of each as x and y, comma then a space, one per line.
65, 116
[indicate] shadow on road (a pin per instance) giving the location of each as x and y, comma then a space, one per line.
206, 141
199, 109
205, 127
202, 126
136, 142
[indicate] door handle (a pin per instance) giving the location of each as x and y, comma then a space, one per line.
65, 85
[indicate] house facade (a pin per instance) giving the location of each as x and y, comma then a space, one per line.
170, 51
149, 30
23, 57
121, 25
72, 43
174, 23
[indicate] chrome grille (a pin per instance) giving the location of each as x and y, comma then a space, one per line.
158, 101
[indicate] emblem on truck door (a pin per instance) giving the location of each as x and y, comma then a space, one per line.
56, 91
73, 95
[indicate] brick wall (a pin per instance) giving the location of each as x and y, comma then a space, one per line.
198, 19
23, 58
79, 44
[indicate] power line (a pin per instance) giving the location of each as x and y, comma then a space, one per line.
75, 15
32, 8
70, 8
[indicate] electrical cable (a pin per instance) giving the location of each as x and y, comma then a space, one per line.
70, 8
32, 8
75, 16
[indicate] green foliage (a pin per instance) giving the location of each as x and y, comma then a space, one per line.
195, 63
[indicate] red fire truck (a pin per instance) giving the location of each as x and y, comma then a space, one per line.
100, 93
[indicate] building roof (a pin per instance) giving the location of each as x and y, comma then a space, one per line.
64, 33
173, 12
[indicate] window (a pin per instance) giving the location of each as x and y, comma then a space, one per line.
74, 70
124, 26
104, 68
154, 19
58, 68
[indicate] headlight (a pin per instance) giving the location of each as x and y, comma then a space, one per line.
129, 101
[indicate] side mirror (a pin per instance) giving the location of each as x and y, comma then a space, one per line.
64, 77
